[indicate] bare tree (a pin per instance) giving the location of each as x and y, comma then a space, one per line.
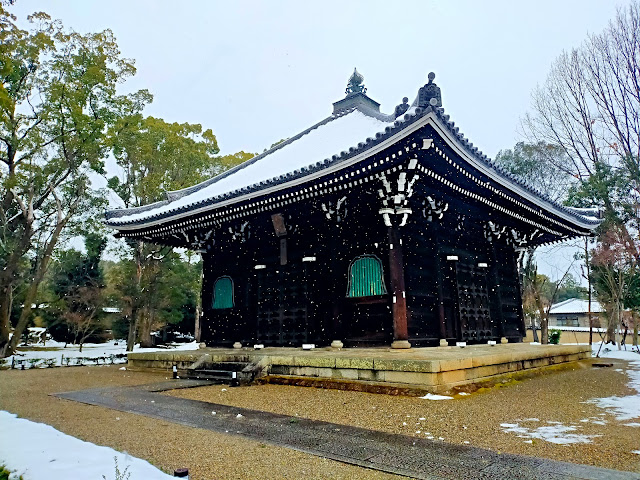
615, 262
539, 293
590, 107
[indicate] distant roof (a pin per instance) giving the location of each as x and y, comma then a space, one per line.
575, 305
354, 131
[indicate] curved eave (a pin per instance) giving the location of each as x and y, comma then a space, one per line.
442, 126
482, 164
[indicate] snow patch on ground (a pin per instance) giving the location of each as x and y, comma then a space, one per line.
630, 353
627, 407
433, 396
594, 420
622, 407
555, 432
37, 451
89, 350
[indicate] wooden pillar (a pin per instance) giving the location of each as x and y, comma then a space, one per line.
439, 286
495, 282
399, 306
521, 326
335, 285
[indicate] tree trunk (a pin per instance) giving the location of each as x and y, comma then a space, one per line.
534, 330
32, 292
145, 331
611, 325
544, 330
133, 330
134, 324
4, 322
8, 276
197, 327
618, 324
25, 315
544, 321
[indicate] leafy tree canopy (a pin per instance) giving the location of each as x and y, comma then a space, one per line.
58, 99
541, 165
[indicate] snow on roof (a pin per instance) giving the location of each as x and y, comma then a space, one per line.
329, 137
329, 145
575, 305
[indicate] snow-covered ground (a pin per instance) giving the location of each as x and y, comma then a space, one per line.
38, 451
92, 353
553, 432
623, 408
626, 408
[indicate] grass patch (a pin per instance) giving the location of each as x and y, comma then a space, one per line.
4, 473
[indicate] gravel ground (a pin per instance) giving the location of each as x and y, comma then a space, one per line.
208, 455
476, 419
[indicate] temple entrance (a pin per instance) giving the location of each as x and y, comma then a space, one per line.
474, 319
282, 311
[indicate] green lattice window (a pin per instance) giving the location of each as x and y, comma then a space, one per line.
223, 293
365, 277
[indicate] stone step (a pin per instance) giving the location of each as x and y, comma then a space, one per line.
223, 372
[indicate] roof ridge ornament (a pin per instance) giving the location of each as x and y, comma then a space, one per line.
429, 95
356, 84
401, 108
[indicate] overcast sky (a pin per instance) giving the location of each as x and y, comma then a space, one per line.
256, 72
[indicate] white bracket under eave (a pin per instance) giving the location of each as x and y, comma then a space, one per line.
427, 143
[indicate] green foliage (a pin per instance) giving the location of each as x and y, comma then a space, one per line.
159, 156
166, 293
120, 475
539, 164
605, 187
58, 100
77, 286
632, 298
5, 473
229, 161
277, 143
570, 288
554, 336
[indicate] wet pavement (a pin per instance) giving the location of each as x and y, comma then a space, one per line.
392, 453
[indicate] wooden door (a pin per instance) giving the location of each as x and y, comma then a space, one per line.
474, 318
282, 311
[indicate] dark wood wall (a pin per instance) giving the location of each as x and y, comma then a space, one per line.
306, 302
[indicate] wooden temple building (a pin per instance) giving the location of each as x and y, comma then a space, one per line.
367, 229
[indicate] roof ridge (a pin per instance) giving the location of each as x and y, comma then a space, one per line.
174, 195
412, 115
260, 156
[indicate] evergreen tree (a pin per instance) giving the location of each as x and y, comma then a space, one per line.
78, 286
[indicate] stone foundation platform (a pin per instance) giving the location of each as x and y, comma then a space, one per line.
437, 369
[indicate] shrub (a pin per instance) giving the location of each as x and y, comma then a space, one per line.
554, 336
4, 473
120, 475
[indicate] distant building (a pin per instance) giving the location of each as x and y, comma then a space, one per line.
574, 312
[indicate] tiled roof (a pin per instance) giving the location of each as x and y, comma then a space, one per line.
326, 144
575, 305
